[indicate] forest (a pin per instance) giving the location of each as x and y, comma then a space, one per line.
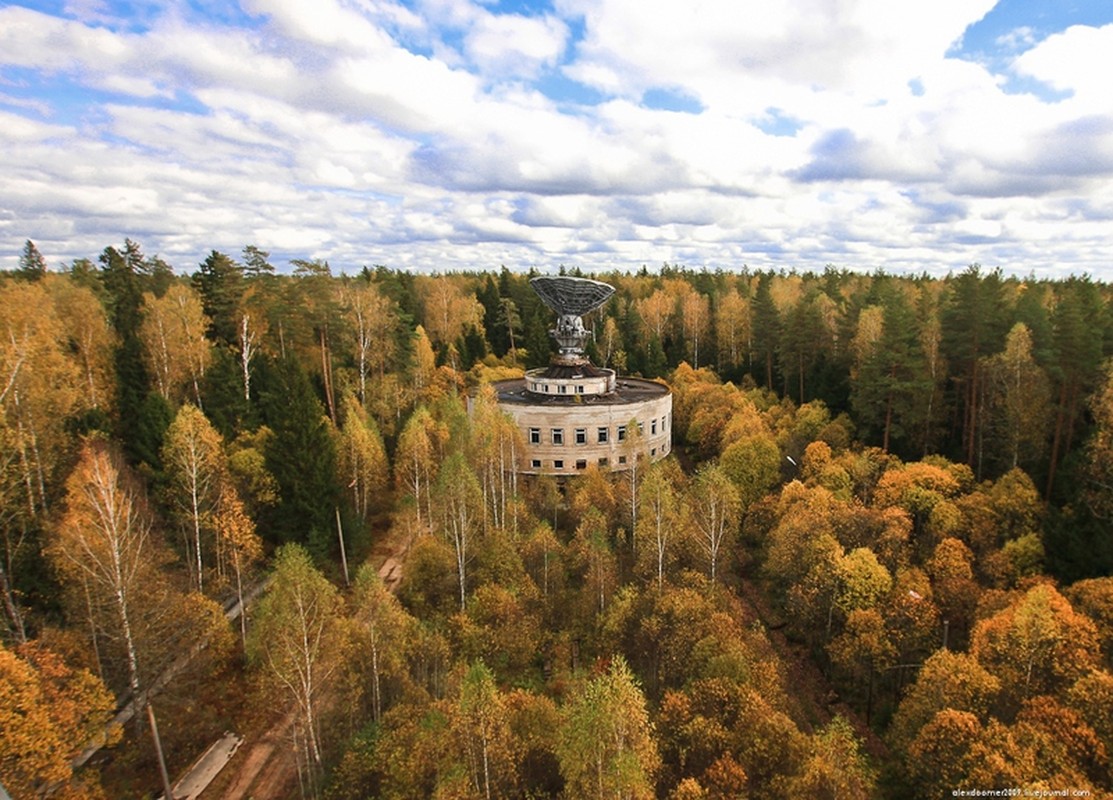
878, 562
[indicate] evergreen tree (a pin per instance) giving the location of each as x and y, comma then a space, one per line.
301, 455
256, 264
222, 395
767, 333
537, 340
138, 420
158, 275
974, 326
488, 297
891, 380
220, 282
1076, 368
32, 265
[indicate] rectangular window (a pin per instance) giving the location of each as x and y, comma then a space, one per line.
622, 433
664, 423
603, 462
653, 452
535, 436
558, 435
536, 463
622, 459
581, 464
602, 435
653, 428
558, 464
581, 435
579, 389
641, 428
562, 389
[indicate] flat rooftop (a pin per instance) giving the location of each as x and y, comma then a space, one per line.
627, 390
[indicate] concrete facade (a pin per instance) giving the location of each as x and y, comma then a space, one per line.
574, 415
565, 432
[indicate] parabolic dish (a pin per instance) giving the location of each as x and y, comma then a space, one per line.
568, 295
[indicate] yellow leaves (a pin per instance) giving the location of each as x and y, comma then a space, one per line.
732, 327
362, 464
946, 680
938, 756
48, 713
916, 487
753, 465
501, 631
1099, 490
298, 637
862, 580
200, 619
606, 746
1094, 597
449, 308
173, 335
802, 533
656, 312
593, 488
835, 766
193, 453
1048, 747
1037, 645
38, 390
89, 338
372, 318
247, 466
425, 362
105, 530
1092, 697
868, 334
1019, 395
30, 742
490, 370
236, 531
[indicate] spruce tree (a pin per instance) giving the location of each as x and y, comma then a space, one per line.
301, 455
219, 281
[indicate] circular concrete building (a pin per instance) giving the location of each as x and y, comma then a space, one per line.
573, 414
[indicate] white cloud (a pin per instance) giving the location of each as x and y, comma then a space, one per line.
863, 47
1078, 60
33, 39
323, 22
368, 131
515, 45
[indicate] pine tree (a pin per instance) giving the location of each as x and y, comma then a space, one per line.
32, 265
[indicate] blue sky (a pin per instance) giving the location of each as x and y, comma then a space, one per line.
450, 134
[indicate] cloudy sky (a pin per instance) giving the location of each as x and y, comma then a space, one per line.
905, 135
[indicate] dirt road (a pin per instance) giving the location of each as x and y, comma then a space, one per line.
265, 768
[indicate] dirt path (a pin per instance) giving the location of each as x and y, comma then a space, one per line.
264, 767
258, 771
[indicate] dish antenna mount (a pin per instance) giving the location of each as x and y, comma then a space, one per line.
571, 298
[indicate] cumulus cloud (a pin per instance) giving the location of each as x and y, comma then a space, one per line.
450, 133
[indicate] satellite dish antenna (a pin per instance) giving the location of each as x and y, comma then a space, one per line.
571, 298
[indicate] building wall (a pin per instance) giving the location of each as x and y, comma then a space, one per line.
654, 414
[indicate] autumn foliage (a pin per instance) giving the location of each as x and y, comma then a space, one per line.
877, 564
